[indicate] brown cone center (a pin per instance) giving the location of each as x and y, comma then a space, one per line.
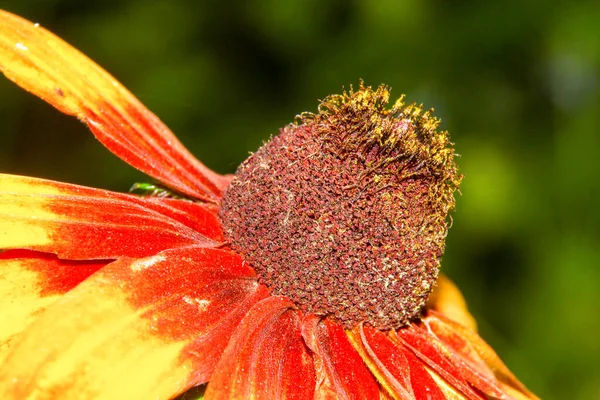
347, 218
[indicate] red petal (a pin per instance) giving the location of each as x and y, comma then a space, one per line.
462, 354
46, 66
384, 359
266, 357
75, 222
146, 328
203, 218
396, 368
422, 382
30, 282
340, 369
482, 362
435, 355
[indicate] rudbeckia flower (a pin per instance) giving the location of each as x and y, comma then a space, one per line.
310, 273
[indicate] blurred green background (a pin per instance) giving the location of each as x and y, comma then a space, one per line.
516, 83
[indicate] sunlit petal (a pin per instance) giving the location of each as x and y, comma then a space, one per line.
29, 283
138, 328
46, 66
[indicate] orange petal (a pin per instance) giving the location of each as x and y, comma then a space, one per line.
340, 370
266, 357
436, 356
75, 222
30, 282
471, 368
395, 367
46, 66
145, 328
475, 353
447, 299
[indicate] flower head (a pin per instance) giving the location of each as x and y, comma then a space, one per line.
345, 212
304, 276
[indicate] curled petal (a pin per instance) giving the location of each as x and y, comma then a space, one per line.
138, 328
75, 222
46, 66
340, 370
266, 357
29, 283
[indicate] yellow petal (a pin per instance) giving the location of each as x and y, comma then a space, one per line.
138, 328
138, 355
30, 282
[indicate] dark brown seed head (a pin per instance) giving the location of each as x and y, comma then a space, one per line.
345, 212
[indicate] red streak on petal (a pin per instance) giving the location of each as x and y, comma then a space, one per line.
194, 171
185, 303
484, 350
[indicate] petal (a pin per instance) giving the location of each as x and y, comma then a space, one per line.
449, 391
395, 367
146, 328
447, 299
30, 282
423, 382
203, 218
75, 222
435, 355
476, 354
384, 360
340, 370
46, 66
266, 357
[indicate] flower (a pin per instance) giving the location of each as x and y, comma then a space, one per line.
304, 276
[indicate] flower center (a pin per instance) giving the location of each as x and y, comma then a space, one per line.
345, 212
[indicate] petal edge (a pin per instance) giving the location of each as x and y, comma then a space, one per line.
51, 69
